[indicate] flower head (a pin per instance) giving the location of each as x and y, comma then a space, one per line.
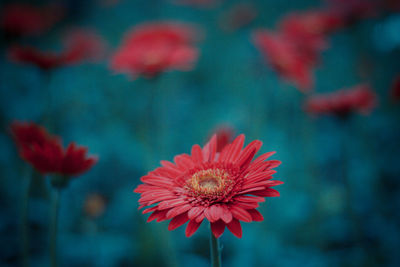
26, 135
150, 49
354, 10
223, 187
308, 31
24, 19
46, 153
313, 22
83, 44
44, 60
342, 103
79, 45
286, 58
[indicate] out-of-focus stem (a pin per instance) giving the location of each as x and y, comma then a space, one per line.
25, 221
54, 227
215, 251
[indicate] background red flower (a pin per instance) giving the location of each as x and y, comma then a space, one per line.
79, 45
152, 48
46, 154
25, 19
359, 98
285, 57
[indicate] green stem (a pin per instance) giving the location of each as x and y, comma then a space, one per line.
215, 251
53, 227
24, 221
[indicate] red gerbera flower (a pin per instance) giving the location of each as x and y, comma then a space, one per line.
83, 44
150, 49
313, 22
80, 45
26, 135
286, 58
352, 11
44, 60
308, 31
225, 188
46, 154
360, 99
24, 19
395, 92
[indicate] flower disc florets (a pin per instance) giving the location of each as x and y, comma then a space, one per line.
210, 185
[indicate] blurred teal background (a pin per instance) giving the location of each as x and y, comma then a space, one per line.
340, 201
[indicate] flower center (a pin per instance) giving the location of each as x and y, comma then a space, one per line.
210, 183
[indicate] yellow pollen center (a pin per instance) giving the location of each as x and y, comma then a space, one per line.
210, 183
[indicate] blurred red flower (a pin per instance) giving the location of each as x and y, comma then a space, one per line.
79, 45
395, 91
308, 31
44, 60
23, 19
311, 23
342, 103
152, 48
286, 58
25, 135
225, 135
225, 188
352, 11
46, 154
83, 44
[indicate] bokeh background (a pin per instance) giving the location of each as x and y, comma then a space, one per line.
340, 201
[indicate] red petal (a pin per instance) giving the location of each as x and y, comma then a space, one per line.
261, 176
226, 215
263, 157
235, 227
235, 149
171, 203
177, 210
184, 161
248, 153
192, 227
249, 199
209, 215
240, 213
217, 228
157, 181
274, 163
256, 215
158, 214
269, 192
210, 149
178, 221
194, 212
197, 155
149, 210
